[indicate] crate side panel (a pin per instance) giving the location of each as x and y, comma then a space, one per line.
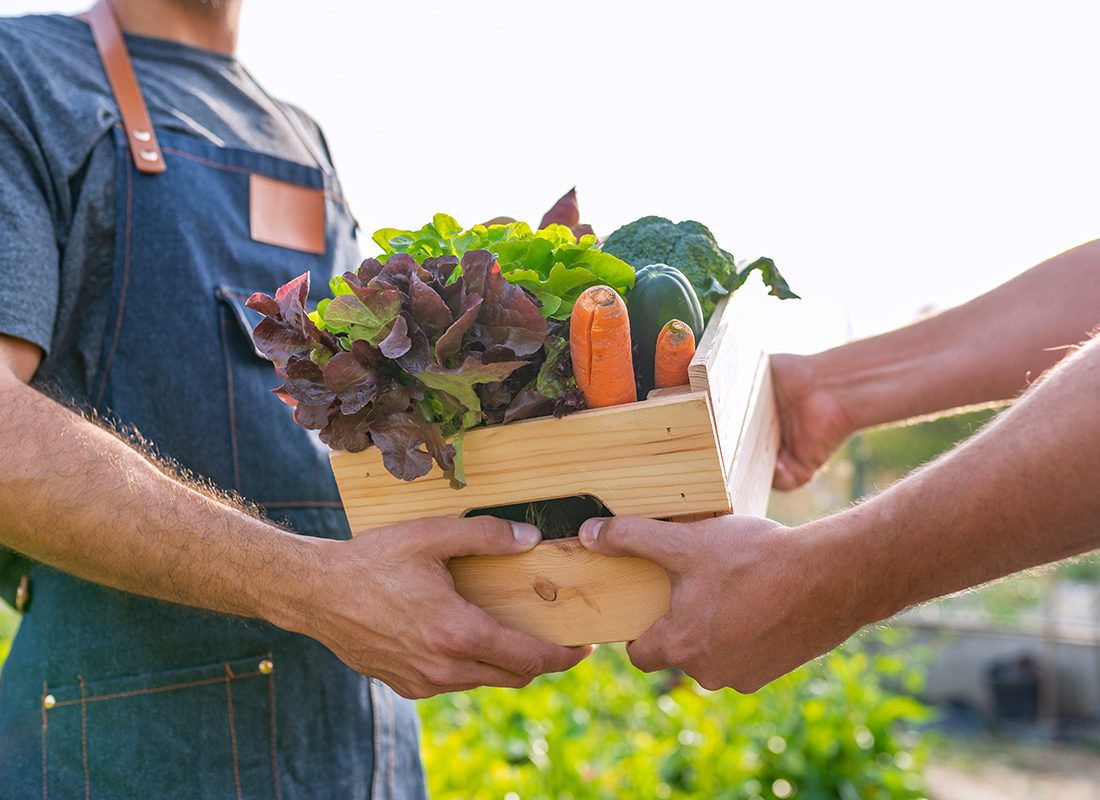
750, 479
656, 459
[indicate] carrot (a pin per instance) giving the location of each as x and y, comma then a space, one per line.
675, 348
599, 341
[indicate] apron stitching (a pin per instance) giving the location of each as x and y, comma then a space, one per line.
271, 717
153, 690
392, 754
331, 195
84, 737
377, 740
232, 729
122, 288
232, 404
45, 783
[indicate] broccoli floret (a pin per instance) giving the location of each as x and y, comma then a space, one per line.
691, 248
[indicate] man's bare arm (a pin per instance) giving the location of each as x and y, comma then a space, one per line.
983, 351
77, 497
751, 599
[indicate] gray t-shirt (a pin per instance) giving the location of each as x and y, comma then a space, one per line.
57, 171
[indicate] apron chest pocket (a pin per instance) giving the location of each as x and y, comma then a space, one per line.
200, 732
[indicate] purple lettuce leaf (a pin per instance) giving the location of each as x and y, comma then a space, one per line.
400, 437
305, 382
450, 342
352, 382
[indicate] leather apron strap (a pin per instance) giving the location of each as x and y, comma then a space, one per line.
147, 154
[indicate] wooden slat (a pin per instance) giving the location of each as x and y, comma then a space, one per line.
750, 478
563, 593
725, 366
655, 458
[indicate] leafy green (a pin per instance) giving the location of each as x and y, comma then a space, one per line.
691, 247
552, 263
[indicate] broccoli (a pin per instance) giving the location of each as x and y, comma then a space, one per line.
691, 248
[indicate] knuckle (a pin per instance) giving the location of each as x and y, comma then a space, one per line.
531, 665
453, 642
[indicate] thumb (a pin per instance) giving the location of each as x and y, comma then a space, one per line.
476, 536
664, 543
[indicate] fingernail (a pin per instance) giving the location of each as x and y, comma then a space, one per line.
526, 535
590, 530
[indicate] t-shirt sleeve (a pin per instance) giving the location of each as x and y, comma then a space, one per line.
29, 252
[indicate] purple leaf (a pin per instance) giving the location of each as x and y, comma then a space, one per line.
305, 382
347, 432
264, 303
509, 318
416, 358
451, 341
476, 266
353, 383
400, 437
291, 298
428, 309
528, 404
280, 341
312, 417
397, 342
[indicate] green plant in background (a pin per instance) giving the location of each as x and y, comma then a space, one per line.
838, 728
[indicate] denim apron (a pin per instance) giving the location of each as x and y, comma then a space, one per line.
111, 695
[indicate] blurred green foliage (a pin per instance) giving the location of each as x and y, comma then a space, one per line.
841, 727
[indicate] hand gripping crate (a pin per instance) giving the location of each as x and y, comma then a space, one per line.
697, 451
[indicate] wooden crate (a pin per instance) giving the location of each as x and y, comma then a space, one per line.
697, 451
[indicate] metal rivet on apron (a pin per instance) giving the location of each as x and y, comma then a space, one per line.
266, 666
22, 593
49, 701
150, 155
142, 135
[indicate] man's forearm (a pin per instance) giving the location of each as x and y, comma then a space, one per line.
983, 351
1024, 491
76, 497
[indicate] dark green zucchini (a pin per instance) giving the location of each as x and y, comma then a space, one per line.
661, 293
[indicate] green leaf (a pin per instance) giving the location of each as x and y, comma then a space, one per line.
363, 321
459, 383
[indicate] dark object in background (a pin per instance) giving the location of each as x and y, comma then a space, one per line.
1015, 685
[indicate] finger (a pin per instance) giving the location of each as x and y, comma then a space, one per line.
475, 536
647, 652
666, 543
517, 652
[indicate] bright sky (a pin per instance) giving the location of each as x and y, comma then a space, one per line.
888, 156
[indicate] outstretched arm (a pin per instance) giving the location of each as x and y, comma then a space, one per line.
986, 350
76, 497
752, 599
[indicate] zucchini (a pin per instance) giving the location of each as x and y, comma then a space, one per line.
661, 293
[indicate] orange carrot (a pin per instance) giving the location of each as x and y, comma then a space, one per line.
599, 341
675, 348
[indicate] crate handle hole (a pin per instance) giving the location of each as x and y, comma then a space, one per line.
557, 518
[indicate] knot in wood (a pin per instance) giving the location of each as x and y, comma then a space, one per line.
546, 590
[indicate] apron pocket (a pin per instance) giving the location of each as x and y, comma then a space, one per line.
276, 463
198, 732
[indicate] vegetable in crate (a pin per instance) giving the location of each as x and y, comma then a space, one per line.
446, 330
690, 247
599, 337
675, 349
661, 293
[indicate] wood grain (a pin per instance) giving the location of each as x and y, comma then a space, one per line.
563, 593
654, 458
